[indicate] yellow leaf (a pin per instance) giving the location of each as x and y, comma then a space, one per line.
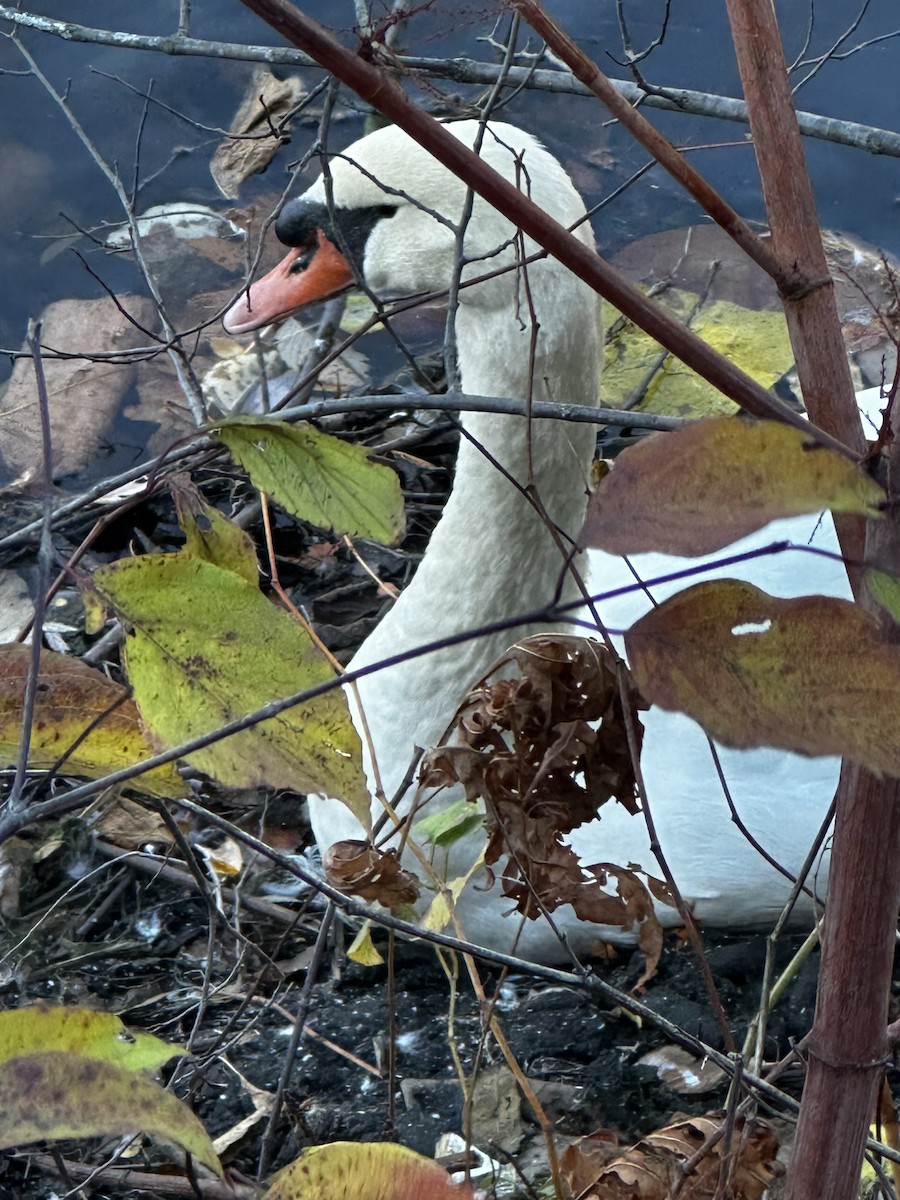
83, 1031
363, 950
211, 537
317, 477
885, 590
364, 1171
756, 341
437, 916
440, 910
207, 647
703, 487
70, 696
55, 1095
812, 675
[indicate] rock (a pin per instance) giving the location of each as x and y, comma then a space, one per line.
84, 395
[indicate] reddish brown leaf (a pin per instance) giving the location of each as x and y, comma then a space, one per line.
811, 675
707, 485
582, 1160
358, 868
652, 1168
542, 770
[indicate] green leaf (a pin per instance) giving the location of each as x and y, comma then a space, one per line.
83, 1031
885, 590
448, 825
55, 1095
317, 477
207, 647
211, 537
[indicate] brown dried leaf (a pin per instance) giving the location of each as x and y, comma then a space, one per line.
812, 675
636, 896
359, 869
131, 826
70, 698
255, 143
650, 1169
683, 1072
564, 683
542, 770
446, 765
710, 483
83, 394
582, 1160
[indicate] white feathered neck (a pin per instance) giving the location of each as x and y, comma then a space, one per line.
534, 331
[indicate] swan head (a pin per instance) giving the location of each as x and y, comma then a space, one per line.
388, 215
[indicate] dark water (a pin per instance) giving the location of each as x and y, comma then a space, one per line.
52, 187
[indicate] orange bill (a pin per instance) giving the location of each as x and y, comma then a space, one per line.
307, 274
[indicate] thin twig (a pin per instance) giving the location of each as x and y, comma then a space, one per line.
179, 359
267, 1147
176, 458
17, 801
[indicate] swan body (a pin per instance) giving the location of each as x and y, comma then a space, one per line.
394, 210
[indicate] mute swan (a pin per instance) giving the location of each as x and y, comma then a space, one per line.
491, 557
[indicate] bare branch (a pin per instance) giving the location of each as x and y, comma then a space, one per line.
466, 70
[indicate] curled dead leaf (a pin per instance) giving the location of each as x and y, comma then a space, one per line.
545, 746
359, 869
254, 137
681, 1071
582, 1160
651, 1168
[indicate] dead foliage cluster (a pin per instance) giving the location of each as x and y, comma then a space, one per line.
545, 747
687, 1158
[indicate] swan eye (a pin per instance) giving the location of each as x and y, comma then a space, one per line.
305, 256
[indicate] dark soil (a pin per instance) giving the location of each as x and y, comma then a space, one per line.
140, 946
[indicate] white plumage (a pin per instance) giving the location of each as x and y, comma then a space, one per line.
491, 557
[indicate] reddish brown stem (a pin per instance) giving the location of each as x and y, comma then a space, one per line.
850, 1038
812, 317
785, 275
848, 1043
